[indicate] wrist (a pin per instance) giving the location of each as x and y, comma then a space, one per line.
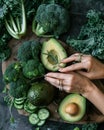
91, 87
96, 97
102, 73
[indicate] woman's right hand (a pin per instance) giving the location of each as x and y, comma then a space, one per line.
88, 66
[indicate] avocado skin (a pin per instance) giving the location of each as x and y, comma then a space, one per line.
75, 98
41, 93
58, 52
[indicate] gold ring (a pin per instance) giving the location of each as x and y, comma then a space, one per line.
79, 57
60, 84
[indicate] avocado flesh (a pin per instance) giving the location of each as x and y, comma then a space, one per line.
52, 53
72, 98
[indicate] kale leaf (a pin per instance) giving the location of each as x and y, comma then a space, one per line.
91, 37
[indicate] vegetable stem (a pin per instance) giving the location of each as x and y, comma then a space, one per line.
23, 25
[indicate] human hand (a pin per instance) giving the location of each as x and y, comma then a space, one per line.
70, 82
88, 66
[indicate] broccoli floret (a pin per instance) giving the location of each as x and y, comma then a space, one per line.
50, 18
28, 50
12, 72
33, 69
18, 88
41, 69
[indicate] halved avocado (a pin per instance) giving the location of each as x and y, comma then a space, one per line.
52, 53
72, 108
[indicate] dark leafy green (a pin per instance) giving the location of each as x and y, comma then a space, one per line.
5, 51
91, 37
89, 126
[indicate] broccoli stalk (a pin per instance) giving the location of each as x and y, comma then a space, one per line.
16, 26
39, 30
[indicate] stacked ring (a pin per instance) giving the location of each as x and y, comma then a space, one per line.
79, 57
60, 84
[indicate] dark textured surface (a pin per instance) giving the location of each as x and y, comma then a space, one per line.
78, 12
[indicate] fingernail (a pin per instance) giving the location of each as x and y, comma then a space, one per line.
60, 69
45, 78
45, 75
62, 61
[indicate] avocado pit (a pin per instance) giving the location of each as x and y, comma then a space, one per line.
72, 109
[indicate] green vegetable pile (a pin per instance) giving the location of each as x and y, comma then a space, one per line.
91, 37
20, 73
20, 76
48, 19
17, 15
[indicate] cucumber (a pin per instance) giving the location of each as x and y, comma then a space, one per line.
27, 110
32, 107
33, 118
43, 114
19, 100
41, 122
18, 106
28, 107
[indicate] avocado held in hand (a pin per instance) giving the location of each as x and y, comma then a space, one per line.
72, 108
52, 53
41, 93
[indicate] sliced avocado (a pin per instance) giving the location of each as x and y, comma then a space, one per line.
41, 93
52, 53
72, 108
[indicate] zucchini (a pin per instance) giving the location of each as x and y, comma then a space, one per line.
43, 114
33, 118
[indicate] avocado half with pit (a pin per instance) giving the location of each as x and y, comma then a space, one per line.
72, 108
52, 53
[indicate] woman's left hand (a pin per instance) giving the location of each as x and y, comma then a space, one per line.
70, 82
85, 65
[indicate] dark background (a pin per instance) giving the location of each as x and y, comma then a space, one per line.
78, 12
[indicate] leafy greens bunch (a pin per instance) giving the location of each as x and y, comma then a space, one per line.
14, 17
5, 51
14, 14
91, 37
